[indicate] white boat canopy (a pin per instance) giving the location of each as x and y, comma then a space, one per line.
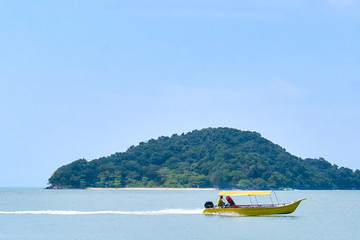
244, 193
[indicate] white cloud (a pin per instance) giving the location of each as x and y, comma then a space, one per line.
275, 91
284, 88
341, 3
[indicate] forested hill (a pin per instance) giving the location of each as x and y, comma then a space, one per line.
212, 157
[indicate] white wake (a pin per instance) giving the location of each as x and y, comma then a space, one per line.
154, 212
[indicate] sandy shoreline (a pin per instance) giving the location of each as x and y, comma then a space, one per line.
180, 189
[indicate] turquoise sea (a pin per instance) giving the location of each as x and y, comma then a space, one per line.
31, 213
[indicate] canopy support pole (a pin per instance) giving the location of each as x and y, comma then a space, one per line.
256, 200
276, 197
250, 199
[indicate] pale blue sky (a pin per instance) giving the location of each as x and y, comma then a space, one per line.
85, 79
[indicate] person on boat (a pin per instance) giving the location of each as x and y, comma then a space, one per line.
221, 203
230, 201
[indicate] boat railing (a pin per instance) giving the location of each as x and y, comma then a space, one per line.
258, 205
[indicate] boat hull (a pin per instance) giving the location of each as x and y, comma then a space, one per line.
253, 210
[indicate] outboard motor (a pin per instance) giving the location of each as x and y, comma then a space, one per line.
209, 204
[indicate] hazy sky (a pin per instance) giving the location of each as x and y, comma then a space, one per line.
85, 79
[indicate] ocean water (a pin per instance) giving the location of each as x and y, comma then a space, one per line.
28, 213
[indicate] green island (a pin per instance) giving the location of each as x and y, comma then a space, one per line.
208, 158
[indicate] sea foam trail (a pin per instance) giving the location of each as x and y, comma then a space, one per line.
155, 212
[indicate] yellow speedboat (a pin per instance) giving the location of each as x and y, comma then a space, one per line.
252, 209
